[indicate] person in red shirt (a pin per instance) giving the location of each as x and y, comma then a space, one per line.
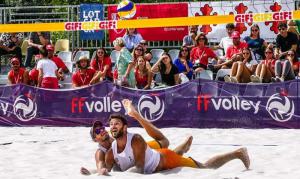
62, 68
84, 75
201, 53
234, 53
34, 73
143, 75
17, 74
102, 65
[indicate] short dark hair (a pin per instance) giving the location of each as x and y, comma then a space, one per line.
118, 116
230, 26
282, 24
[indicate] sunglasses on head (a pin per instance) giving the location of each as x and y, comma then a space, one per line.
99, 130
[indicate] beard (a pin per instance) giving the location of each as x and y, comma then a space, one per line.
117, 134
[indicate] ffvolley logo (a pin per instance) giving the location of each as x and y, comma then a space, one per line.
24, 108
151, 107
280, 107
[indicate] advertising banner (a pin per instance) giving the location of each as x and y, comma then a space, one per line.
199, 103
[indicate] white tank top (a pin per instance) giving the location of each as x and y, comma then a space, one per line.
125, 159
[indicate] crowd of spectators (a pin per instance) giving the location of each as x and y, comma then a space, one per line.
250, 59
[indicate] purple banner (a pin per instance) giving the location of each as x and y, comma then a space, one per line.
196, 104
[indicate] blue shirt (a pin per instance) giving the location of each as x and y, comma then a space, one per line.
132, 40
182, 68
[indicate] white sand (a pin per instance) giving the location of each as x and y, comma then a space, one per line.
42, 153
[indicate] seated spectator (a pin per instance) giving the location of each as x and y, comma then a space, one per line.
138, 51
132, 38
124, 65
242, 70
265, 70
17, 74
183, 63
286, 70
201, 53
84, 75
234, 52
189, 40
255, 43
143, 75
62, 68
168, 71
48, 71
102, 65
147, 54
226, 41
34, 73
10, 43
36, 42
285, 41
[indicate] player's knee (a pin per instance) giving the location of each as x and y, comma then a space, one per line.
164, 143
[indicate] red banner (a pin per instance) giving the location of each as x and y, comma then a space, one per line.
154, 11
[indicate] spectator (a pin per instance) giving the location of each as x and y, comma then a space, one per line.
189, 40
201, 53
285, 41
36, 42
234, 52
84, 75
62, 68
34, 73
287, 69
132, 38
17, 74
265, 70
102, 65
168, 71
242, 70
48, 71
124, 65
255, 43
183, 63
147, 54
10, 43
143, 75
226, 41
138, 51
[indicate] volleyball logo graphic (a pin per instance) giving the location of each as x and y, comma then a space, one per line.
126, 9
151, 108
24, 108
280, 108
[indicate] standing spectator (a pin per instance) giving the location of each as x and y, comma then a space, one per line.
168, 71
226, 41
10, 43
234, 52
17, 74
34, 73
147, 54
102, 65
255, 43
183, 63
124, 65
285, 41
189, 40
287, 69
48, 71
142, 74
201, 53
36, 42
265, 70
242, 70
84, 75
132, 38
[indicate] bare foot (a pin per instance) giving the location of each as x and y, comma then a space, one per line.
85, 171
187, 144
243, 155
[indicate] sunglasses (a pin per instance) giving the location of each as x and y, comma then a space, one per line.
254, 30
139, 49
100, 52
268, 52
290, 54
99, 130
246, 53
281, 29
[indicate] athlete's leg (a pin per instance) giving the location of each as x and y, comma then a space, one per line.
184, 147
152, 131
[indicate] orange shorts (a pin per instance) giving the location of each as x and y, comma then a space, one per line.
173, 160
154, 144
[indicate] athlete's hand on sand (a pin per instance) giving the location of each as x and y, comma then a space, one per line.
85, 171
103, 171
131, 111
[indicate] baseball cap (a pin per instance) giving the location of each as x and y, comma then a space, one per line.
50, 47
95, 124
235, 34
14, 59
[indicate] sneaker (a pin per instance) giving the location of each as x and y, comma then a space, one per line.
255, 79
227, 78
234, 80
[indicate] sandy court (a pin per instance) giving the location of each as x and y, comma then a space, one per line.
57, 152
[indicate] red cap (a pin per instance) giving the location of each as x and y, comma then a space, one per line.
50, 47
15, 59
235, 34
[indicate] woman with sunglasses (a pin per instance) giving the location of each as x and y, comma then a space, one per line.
242, 70
265, 70
143, 75
137, 52
286, 70
102, 65
255, 43
183, 62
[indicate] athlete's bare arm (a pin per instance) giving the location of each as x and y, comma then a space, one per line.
109, 160
139, 151
100, 163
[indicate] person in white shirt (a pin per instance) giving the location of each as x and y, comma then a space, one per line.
226, 41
